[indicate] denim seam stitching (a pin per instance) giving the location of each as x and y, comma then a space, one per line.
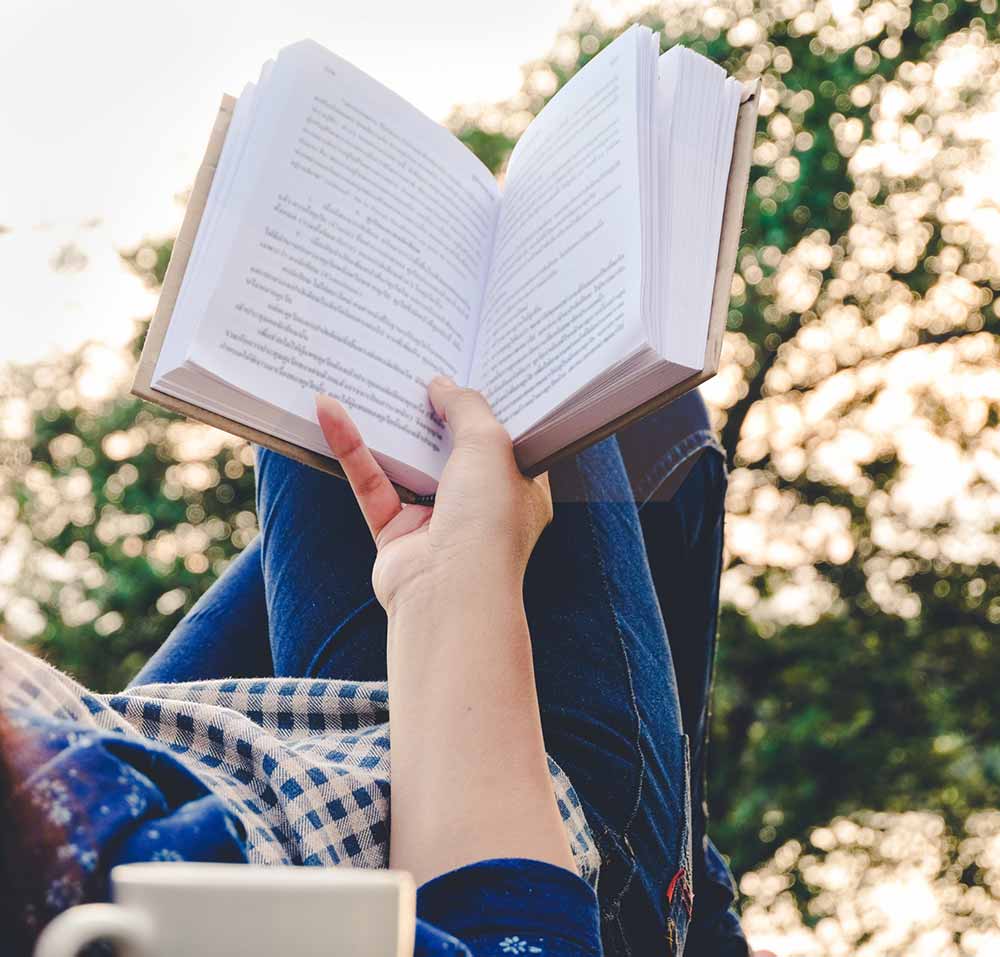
672, 459
635, 710
321, 652
720, 555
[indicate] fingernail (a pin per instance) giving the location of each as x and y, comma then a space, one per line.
444, 380
329, 401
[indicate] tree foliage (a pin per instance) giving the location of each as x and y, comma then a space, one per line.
119, 516
858, 402
857, 652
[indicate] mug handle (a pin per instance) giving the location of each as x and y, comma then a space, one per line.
79, 926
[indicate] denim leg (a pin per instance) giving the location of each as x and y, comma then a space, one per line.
224, 635
610, 707
317, 556
610, 710
684, 547
659, 449
295, 602
683, 533
684, 538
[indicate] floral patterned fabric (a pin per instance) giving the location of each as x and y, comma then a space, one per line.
103, 800
271, 771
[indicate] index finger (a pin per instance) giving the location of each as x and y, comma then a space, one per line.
378, 500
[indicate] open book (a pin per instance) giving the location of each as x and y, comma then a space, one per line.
339, 241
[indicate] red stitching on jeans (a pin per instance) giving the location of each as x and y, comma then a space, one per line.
681, 879
672, 886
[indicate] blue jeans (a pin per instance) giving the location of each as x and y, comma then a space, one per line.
622, 600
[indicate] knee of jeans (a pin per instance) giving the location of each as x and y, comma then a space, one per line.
702, 495
273, 464
717, 471
262, 456
596, 474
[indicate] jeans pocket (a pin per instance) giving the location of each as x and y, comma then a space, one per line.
617, 868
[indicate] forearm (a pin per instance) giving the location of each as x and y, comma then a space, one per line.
470, 778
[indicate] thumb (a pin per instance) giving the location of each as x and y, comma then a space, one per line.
467, 413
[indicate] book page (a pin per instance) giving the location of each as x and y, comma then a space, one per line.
562, 300
197, 283
359, 258
699, 105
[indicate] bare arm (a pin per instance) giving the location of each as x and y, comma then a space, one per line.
469, 774
470, 779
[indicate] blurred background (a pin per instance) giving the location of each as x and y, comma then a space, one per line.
856, 745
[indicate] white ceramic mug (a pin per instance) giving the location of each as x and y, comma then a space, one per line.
218, 910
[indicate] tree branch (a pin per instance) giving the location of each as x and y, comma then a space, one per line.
739, 410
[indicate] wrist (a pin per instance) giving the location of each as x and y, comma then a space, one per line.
468, 582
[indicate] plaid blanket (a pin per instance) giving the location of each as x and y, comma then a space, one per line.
302, 763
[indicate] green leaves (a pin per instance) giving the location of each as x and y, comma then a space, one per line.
122, 503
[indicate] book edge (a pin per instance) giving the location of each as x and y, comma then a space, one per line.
733, 209
179, 257
180, 254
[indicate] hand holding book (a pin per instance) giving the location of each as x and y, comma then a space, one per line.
486, 517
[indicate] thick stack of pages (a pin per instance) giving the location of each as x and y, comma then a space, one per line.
349, 245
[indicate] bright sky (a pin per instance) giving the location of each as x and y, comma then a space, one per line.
105, 111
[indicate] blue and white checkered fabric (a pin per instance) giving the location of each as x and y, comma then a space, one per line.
303, 763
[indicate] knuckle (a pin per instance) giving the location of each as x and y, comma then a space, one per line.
469, 402
462, 397
473, 421
349, 447
369, 483
486, 433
